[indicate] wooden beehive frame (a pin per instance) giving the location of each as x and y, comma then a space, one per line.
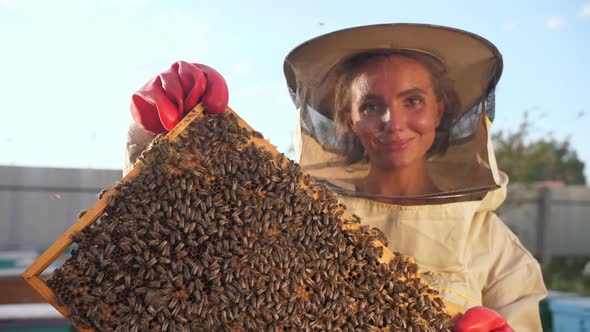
31, 274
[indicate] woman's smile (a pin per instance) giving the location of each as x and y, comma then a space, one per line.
394, 144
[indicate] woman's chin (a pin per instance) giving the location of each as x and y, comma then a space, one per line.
399, 162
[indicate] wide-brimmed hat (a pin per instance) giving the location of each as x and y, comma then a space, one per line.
471, 67
472, 63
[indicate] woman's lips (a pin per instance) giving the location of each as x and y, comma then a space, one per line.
396, 144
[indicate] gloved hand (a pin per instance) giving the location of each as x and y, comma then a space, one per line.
164, 100
481, 319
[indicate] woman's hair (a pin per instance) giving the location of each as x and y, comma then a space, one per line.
349, 69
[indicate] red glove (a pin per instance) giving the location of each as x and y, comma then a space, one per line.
163, 101
480, 319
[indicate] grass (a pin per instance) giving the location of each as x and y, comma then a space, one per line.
565, 274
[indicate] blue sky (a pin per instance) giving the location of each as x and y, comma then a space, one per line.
69, 68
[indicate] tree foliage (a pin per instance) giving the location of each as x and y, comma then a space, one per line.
530, 160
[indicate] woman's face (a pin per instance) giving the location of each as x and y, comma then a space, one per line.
395, 111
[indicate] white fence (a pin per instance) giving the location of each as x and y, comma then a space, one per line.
38, 204
550, 221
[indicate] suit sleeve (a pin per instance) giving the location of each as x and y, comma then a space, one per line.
515, 282
137, 141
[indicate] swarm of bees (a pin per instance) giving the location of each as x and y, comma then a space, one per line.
216, 233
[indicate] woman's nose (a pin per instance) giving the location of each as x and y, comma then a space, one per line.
394, 119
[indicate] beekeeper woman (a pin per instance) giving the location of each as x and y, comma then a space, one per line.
396, 119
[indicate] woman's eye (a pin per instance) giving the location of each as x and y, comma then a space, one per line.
368, 108
414, 101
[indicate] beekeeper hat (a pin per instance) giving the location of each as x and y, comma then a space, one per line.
472, 64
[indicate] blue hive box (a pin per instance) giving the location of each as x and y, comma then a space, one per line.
571, 314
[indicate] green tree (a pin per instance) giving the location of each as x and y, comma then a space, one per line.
545, 159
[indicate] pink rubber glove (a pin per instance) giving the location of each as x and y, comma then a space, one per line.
164, 100
481, 319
